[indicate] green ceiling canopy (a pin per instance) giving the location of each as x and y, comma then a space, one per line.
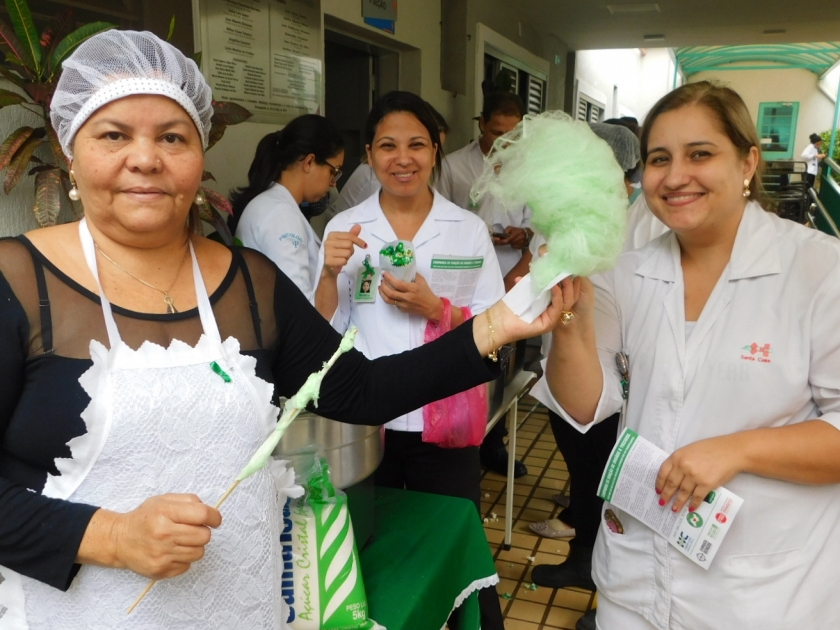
816, 57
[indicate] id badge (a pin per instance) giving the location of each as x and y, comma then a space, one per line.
367, 281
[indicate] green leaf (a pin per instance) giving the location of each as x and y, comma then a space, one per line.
56, 30
12, 144
223, 234
25, 29
41, 167
171, 29
67, 45
197, 58
216, 200
47, 198
8, 97
207, 175
13, 77
10, 44
19, 164
229, 113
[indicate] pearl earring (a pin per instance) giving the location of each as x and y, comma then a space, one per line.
747, 191
74, 192
199, 199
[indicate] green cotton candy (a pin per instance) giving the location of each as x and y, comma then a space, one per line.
569, 178
309, 392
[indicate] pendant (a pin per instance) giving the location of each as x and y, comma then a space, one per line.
170, 304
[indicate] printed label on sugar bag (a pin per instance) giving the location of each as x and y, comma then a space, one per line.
324, 588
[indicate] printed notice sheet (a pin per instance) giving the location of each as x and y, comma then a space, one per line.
629, 481
455, 277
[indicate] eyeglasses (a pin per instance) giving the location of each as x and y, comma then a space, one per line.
336, 172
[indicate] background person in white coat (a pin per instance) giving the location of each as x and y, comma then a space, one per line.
729, 321
403, 148
296, 164
812, 156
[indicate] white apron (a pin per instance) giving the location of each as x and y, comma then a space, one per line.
162, 420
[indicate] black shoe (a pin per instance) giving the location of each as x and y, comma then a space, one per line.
575, 571
587, 622
497, 461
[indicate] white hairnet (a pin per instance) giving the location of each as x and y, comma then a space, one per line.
114, 64
622, 141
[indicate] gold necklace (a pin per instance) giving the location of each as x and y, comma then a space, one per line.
170, 303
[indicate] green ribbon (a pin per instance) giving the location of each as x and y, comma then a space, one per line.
369, 271
218, 370
400, 256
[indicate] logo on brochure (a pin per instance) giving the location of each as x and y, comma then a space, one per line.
713, 531
726, 505
710, 498
701, 557
694, 519
684, 540
720, 518
757, 353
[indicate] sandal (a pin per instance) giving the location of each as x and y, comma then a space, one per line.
552, 528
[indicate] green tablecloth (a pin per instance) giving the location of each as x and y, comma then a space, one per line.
427, 550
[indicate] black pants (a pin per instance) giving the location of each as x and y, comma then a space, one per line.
811, 179
413, 464
586, 455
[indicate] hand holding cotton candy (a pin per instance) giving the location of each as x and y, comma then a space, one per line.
574, 187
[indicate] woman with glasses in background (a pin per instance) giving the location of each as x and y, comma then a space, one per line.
296, 164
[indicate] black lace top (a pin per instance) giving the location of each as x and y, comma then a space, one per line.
47, 322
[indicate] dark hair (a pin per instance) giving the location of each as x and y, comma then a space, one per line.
727, 107
399, 101
815, 137
305, 135
504, 103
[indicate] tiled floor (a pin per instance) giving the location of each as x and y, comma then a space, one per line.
525, 606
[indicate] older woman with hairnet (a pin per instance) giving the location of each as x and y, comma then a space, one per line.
116, 333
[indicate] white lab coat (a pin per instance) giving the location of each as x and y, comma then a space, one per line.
464, 166
383, 329
776, 570
273, 224
361, 184
809, 154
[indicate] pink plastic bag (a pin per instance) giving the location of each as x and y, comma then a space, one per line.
459, 420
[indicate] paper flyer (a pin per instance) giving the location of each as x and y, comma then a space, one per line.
455, 277
629, 481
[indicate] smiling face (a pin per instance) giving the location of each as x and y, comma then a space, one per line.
694, 175
402, 155
138, 163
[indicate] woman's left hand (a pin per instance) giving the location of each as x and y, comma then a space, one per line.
414, 298
698, 468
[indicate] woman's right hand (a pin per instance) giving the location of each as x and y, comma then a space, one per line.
339, 247
578, 297
159, 539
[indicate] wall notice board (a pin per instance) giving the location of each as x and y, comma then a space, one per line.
264, 54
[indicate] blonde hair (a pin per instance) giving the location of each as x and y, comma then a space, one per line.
729, 110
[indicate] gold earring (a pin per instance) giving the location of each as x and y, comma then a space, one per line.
199, 199
74, 192
747, 191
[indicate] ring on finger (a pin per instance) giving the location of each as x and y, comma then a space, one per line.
566, 317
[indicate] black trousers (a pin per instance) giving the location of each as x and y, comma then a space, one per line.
413, 464
811, 179
586, 455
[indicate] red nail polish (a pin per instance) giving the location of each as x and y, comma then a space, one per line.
662, 502
674, 508
691, 509
658, 491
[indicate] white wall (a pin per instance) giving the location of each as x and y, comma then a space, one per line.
627, 81
761, 86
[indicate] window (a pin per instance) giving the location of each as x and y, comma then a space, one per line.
589, 111
777, 129
504, 75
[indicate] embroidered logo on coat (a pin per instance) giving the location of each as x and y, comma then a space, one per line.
296, 239
757, 353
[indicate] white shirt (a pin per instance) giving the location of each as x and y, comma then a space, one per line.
361, 184
383, 329
464, 168
810, 156
765, 352
274, 225
642, 225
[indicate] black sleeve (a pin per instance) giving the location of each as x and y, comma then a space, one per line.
360, 391
39, 537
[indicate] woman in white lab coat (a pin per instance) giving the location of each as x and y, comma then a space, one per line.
730, 324
296, 164
403, 148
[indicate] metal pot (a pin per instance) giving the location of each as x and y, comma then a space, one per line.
352, 451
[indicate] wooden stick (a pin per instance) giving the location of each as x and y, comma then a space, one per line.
148, 588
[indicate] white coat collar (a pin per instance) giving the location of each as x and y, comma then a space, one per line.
755, 253
279, 191
370, 213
